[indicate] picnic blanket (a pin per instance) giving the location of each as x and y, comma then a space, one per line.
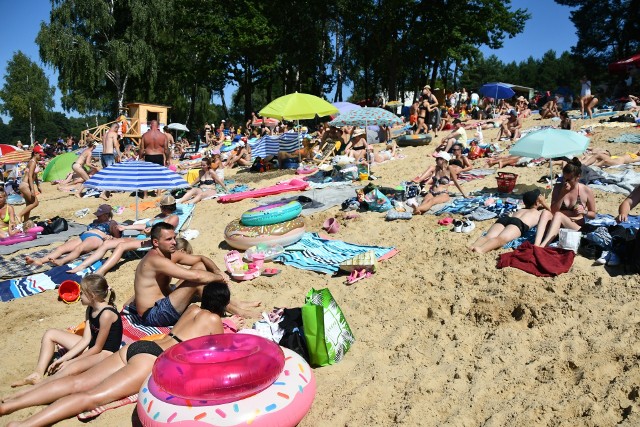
323, 255
321, 200
36, 283
541, 262
633, 138
75, 229
623, 183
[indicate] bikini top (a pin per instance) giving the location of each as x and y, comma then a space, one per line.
564, 207
105, 227
208, 182
6, 218
443, 180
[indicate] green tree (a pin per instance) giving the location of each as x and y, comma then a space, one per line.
100, 47
26, 94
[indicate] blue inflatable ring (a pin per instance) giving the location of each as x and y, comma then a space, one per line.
273, 213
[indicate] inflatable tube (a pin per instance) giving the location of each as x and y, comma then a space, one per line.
243, 236
35, 230
284, 403
17, 238
293, 185
414, 140
272, 213
217, 369
306, 171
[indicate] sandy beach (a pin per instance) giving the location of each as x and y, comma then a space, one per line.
443, 338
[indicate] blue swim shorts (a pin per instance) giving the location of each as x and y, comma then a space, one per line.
163, 313
107, 159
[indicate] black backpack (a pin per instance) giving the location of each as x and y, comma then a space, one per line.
54, 225
293, 337
626, 244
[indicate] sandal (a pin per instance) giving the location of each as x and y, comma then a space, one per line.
445, 221
357, 275
270, 272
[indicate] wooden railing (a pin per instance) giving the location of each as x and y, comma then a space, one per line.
97, 133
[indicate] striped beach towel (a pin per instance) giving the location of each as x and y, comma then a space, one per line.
315, 253
270, 145
133, 329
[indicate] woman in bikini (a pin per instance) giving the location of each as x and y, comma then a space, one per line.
206, 182
79, 165
241, 155
606, 160
29, 184
423, 108
357, 147
441, 178
8, 220
100, 230
123, 244
121, 374
572, 204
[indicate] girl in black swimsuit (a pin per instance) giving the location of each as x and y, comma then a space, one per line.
121, 374
102, 335
206, 184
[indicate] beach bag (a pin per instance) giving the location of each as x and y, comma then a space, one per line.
589, 249
625, 242
326, 330
54, 225
377, 202
363, 261
293, 337
411, 191
569, 239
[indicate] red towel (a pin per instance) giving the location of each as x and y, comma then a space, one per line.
542, 262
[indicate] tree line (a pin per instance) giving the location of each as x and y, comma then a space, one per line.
184, 53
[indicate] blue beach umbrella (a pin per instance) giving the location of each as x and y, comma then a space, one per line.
136, 176
550, 144
497, 90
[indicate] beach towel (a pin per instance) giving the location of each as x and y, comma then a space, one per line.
323, 255
622, 183
529, 236
474, 174
606, 220
633, 138
133, 329
283, 187
18, 267
270, 145
74, 229
541, 262
48, 280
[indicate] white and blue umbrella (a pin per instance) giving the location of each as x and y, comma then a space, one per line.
136, 176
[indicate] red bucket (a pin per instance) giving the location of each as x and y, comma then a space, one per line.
69, 291
506, 181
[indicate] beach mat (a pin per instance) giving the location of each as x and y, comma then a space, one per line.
324, 255
18, 267
293, 185
321, 199
75, 229
48, 280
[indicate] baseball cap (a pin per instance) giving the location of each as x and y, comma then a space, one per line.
443, 155
167, 200
38, 149
529, 198
103, 209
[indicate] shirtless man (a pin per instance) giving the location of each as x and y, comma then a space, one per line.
511, 227
511, 127
154, 146
170, 143
110, 152
155, 300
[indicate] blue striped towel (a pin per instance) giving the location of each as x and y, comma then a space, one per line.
324, 255
271, 145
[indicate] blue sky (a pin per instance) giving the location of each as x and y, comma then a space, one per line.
548, 28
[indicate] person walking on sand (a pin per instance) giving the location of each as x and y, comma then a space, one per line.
110, 152
83, 160
154, 147
154, 299
585, 95
29, 184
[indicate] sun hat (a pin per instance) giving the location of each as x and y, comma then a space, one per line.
529, 198
69, 291
167, 200
103, 209
443, 155
358, 132
426, 87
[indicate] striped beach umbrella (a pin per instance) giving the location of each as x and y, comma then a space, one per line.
15, 157
136, 176
6, 149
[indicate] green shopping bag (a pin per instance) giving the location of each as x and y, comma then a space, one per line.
327, 332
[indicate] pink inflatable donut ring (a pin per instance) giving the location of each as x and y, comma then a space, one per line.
218, 369
284, 403
17, 238
242, 237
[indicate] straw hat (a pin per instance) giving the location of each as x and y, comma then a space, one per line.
358, 132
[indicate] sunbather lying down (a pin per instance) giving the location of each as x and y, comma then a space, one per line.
604, 160
507, 161
508, 228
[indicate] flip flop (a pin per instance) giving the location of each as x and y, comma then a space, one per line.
357, 275
446, 221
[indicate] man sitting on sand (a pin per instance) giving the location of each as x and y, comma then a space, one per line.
457, 136
155, 300
511, 127
508, 228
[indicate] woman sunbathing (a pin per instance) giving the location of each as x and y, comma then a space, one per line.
121, 374
605, 160
240, 156
120, 246
206, 182
100, 230
441, 178
511, 227
571, 204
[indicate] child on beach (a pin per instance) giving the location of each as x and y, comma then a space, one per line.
101, 338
